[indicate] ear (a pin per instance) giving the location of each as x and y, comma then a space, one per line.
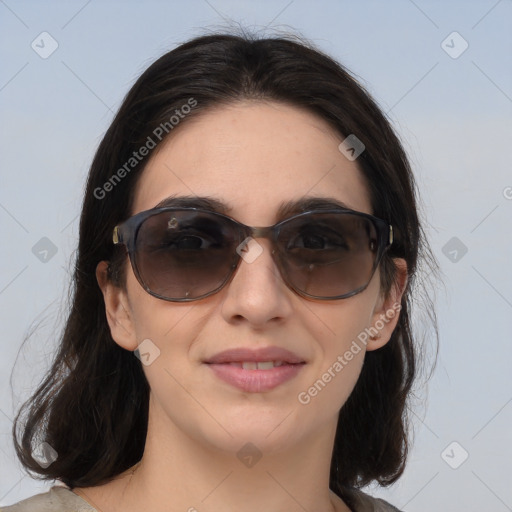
387, 310
117, 309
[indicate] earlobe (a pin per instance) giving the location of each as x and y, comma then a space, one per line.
387, 312
117, 309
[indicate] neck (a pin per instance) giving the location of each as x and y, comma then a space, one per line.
180, 473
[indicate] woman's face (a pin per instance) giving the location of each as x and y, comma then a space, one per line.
253, 156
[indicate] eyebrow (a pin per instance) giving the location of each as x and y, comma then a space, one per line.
286, 209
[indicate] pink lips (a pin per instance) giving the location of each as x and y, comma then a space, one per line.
227, 366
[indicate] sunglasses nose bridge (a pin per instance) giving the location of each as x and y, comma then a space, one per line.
267, 232
262, 232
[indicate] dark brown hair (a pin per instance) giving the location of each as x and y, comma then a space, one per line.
92, 407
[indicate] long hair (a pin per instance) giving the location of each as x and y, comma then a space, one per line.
92, 406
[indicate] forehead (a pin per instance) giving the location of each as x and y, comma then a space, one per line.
253, 157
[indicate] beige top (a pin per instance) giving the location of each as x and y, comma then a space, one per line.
62, 499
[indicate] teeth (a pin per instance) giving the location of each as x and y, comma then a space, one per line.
263, 365
267, 365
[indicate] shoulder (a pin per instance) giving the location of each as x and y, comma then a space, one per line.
362, 502
57, 499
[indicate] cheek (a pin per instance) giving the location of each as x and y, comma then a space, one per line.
169, 325
169, 331
336, 325
339, 329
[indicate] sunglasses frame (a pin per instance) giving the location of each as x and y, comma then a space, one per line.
126, 233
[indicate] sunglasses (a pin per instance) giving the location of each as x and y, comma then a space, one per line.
186, 254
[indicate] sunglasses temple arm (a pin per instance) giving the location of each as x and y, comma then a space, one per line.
117, 237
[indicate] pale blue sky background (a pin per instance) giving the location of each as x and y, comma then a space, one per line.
454, 116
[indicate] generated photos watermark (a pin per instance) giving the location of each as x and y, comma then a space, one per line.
158, 134
343, 360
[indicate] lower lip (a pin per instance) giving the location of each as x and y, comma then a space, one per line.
255, 381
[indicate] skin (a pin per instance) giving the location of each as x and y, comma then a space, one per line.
252, 155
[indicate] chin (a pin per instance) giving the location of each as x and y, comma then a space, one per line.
268, 427
262, 441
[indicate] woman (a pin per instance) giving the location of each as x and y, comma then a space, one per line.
208, 364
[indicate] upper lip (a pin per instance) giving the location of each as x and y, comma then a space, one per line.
242, 355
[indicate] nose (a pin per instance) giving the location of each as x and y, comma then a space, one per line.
257, 293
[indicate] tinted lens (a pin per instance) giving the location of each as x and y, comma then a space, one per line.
328, 255
185, 254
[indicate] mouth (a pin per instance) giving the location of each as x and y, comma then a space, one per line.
256, 371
